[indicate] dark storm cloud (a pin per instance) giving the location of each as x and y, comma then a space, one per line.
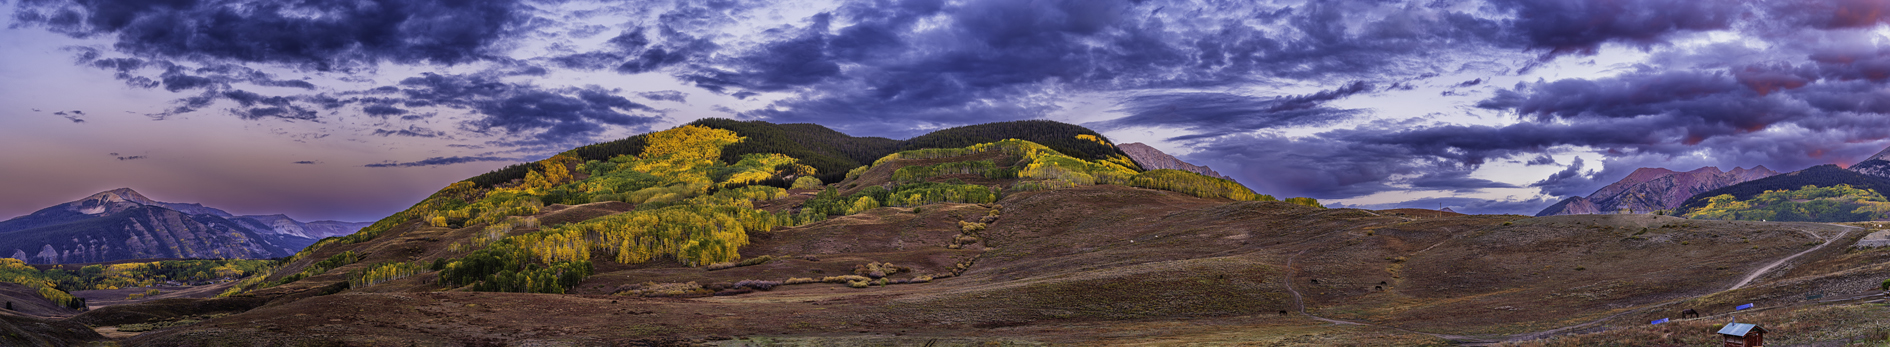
1456, 181
289, 112
305, 162
1541, 160
411, 131
991, 53
1852, 63
1666, 112
588, 61
1218, 114
382, 110
1831, 14
665, 95
317, 34
73, 116
1571, 181
1650, 118
565, 117
437, 161
178, 82
797, 61
1313, 167
1581, 26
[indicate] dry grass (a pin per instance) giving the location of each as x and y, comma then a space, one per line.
1846, 325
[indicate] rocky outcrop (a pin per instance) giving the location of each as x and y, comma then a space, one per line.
1153, 159
1652, 189
1876, 166
1876, 239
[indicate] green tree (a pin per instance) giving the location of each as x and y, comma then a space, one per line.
806, 182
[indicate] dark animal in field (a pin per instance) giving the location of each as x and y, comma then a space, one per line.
1282, 312
1690, 313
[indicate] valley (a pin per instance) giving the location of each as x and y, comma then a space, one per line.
1006, 242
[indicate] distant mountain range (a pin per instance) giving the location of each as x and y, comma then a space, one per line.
123, 224
1152, 159
1652, 189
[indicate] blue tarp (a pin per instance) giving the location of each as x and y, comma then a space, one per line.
1658, 321
1742, 307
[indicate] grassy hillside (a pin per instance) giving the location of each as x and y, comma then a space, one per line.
55, 284
1003, 242
832, 153
1820, 176
1840, 203
695, 206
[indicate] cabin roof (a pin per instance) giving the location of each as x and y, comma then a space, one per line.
1739, 329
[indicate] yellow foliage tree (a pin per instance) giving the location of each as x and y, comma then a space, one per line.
689, 142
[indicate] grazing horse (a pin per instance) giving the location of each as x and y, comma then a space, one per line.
1690, 313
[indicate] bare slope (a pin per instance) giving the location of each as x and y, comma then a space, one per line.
1092, 256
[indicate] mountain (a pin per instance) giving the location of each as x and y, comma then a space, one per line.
1004, 242
1876, 166
282, 224
1651, 189
1822, 176
139, 231
1151, 158
124, 224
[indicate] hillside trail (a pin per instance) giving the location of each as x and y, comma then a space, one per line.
1300, 303
1473, 341
1768, 267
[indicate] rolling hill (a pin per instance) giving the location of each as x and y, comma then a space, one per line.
1000, 242
1821, 176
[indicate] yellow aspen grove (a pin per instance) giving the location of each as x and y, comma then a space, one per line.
689, 142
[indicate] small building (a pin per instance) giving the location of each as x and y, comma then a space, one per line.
1743, 335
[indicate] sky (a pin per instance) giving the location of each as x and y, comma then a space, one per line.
355, 109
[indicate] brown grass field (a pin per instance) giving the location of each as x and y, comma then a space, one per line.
1115, 266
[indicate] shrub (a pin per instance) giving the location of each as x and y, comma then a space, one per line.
758, 284
653, 289
878, 270
969, 227
801, 280
844, 279
733, 291
756, 260
1886, 284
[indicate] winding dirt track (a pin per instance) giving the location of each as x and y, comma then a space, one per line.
1471, 341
